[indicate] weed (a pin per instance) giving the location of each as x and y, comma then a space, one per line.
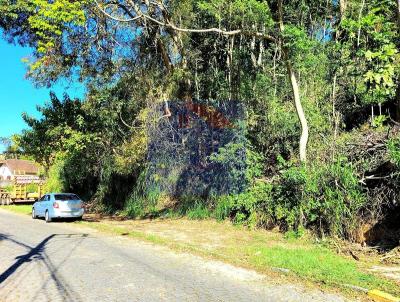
198, 212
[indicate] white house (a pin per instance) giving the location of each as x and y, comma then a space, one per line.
10, 168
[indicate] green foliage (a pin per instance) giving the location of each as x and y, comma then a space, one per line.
232, 166
297, 40
59, 129
32, 188
8, 188
325, 198
381, 77
54, 181
370, 52
52, 18
317, 263
250, 11
246, 208
198, 211
379, 121
222, 208
143, 199
394, 151
134, 208
295, 234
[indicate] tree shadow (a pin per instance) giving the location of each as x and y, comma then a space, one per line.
34, 253
9, 238
38, 253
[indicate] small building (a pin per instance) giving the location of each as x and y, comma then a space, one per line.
10, 168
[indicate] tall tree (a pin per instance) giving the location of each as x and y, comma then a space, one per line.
158, 14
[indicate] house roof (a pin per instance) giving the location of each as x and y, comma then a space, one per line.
20, 166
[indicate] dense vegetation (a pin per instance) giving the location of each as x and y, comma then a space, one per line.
320, 81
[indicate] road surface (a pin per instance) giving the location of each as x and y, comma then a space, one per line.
62, 262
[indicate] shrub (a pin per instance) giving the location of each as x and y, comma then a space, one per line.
55, 181
134, 208
9, 188
137, 204
250, 207
31, 188
394, 151
223, 208
326, 198
198, 211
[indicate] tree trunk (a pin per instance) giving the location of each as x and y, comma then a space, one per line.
372, 115
343, 6
296, 93
334, 116
398, 15
342, 11
359, 27
300, 112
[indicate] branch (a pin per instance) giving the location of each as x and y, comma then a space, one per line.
212, 30
373, 177
168, 24
167, 112
126, 124
116, 18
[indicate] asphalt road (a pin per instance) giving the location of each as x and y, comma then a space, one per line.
62, 262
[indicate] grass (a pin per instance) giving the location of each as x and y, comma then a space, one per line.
21, 208
318, 264
260, 250
199, 212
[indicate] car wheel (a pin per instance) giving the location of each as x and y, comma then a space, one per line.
47, 217
33, 213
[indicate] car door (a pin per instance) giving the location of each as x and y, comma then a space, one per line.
38, 206
46, 204
43, 204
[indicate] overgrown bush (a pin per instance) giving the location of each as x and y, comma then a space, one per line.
198, 211
326, 198
143, 198
54, 181
31, 188
252, 207
394, 150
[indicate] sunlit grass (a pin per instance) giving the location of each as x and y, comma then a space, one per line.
20, 208
316, 263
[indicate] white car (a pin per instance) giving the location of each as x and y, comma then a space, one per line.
58, 205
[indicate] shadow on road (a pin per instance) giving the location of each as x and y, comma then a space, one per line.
9, 238
35, 252
38, 253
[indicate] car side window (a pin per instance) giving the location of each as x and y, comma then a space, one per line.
45, 198
42, 199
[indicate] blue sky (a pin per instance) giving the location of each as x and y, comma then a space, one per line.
17, 94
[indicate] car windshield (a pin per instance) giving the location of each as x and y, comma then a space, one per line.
66, 197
